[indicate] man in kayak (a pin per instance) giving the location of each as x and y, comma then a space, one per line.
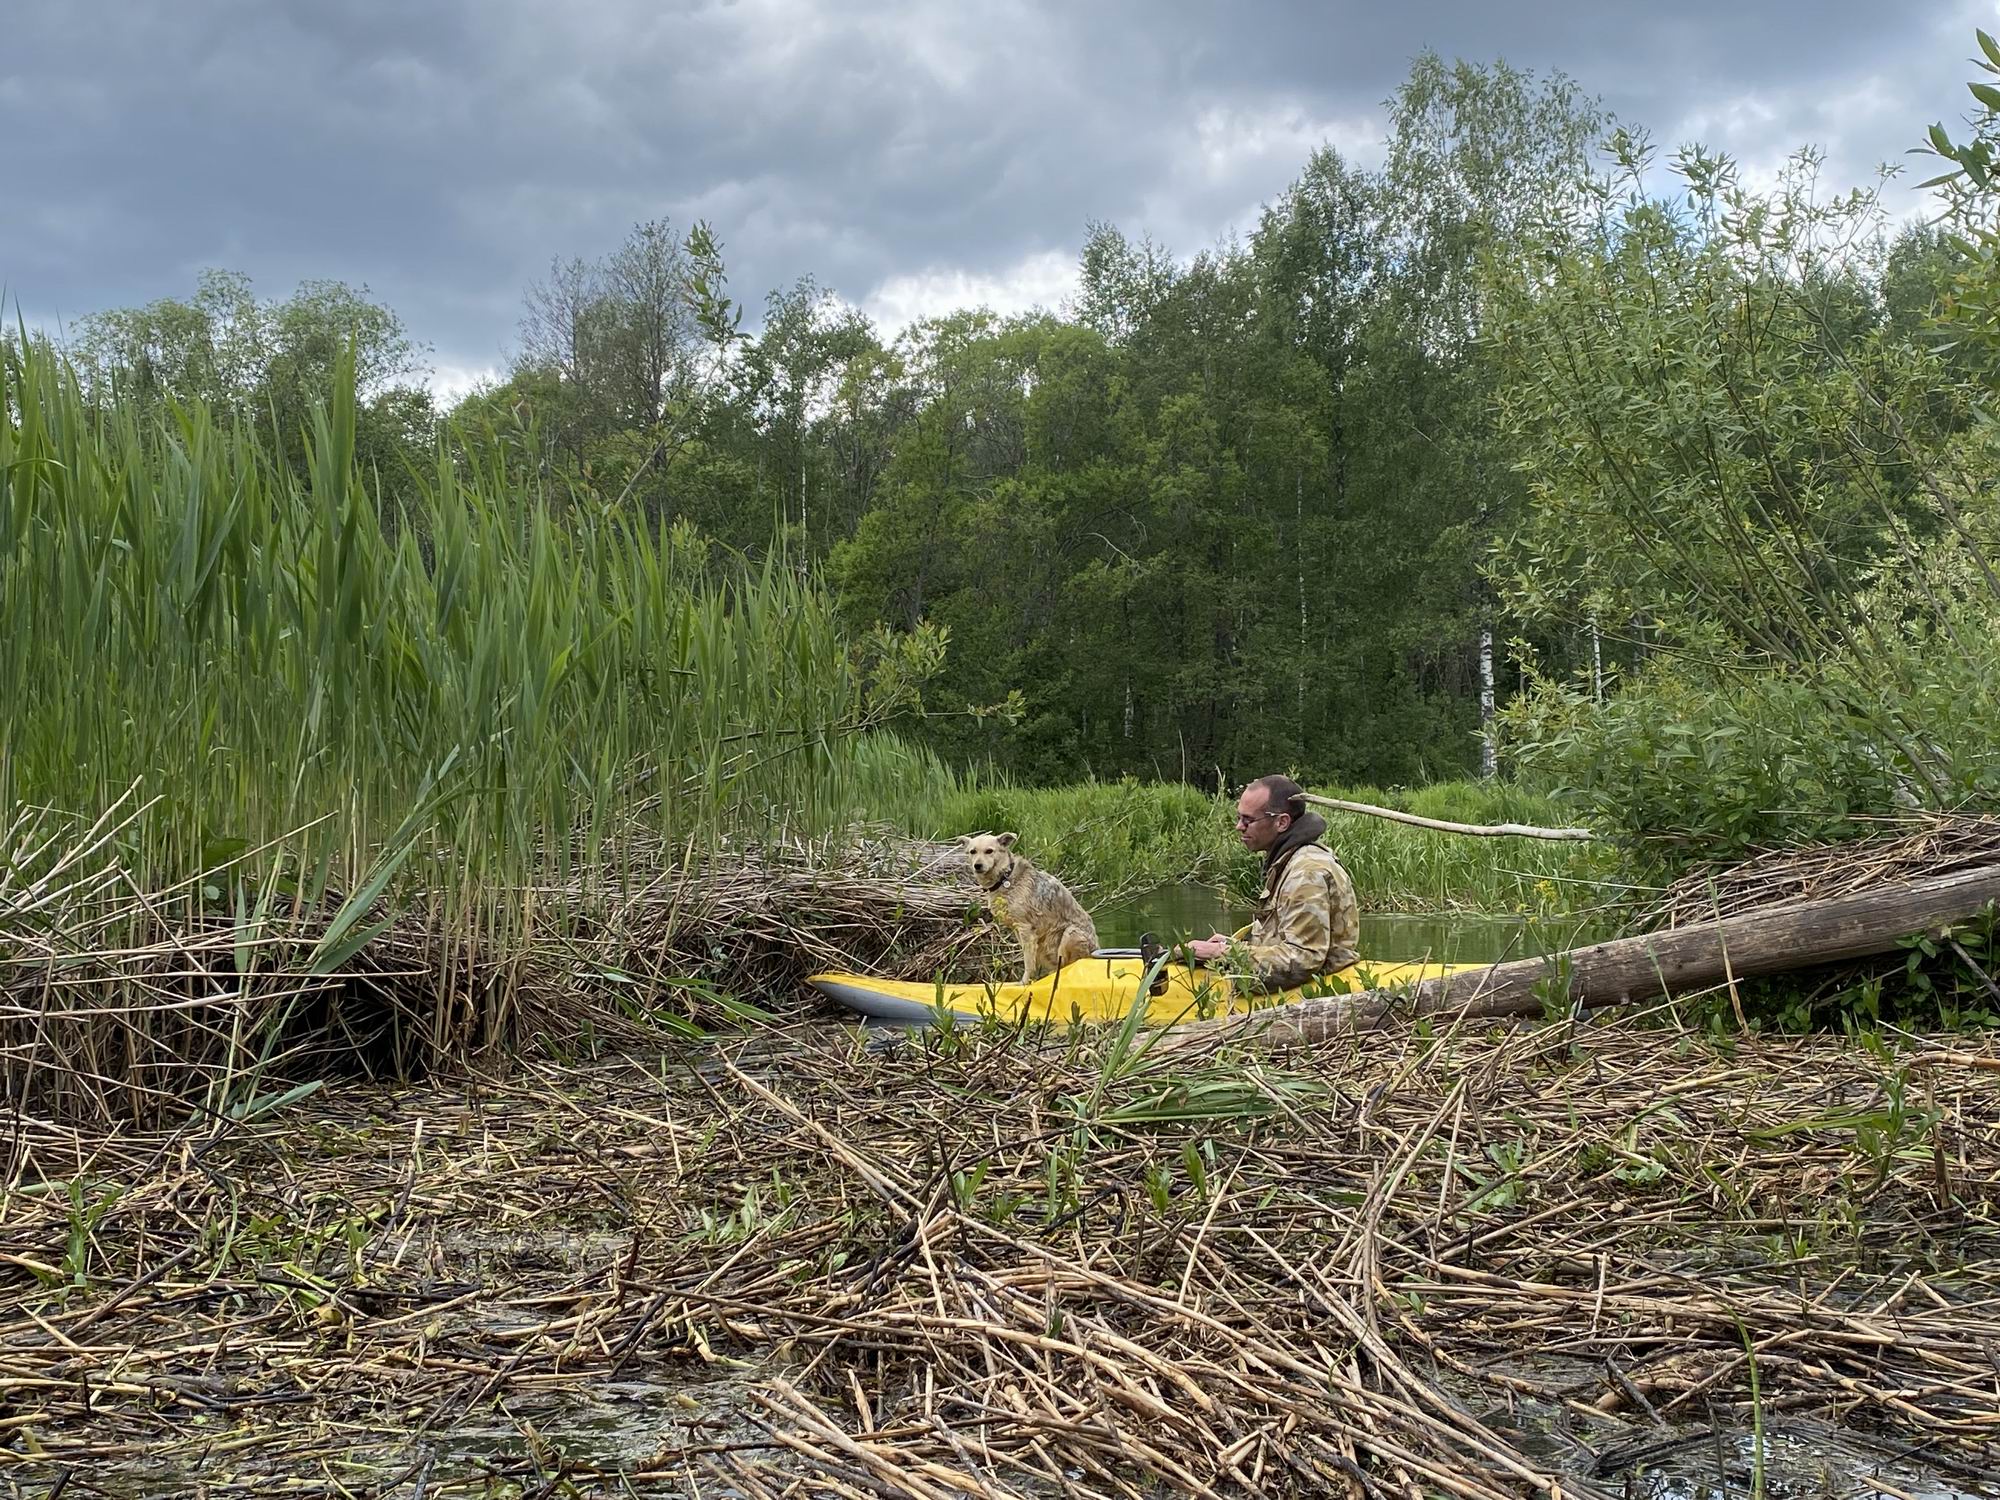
1307, 921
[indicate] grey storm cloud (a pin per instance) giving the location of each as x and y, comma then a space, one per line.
444, 153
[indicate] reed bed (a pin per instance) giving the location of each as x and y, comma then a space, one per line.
749, 924
326, 760
1479, 1264
118, 1002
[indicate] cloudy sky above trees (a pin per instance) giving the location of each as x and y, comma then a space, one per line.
912, 156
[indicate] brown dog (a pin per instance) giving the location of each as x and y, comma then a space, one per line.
1051, 924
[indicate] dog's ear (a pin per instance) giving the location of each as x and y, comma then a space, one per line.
1006, 840
964, 841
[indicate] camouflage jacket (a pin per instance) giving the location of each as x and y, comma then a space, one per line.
1307, 922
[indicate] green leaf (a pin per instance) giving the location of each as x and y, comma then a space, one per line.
333, 949
330, 960
264, 1104
218, 850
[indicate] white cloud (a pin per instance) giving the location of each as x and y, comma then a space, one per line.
1230, 143
1231, 162
1848, 120
1043, 279
451, 384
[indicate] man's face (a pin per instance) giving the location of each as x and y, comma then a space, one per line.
1256, 825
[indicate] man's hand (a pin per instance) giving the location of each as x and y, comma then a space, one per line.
1210, 947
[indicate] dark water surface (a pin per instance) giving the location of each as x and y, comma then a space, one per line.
1182, 911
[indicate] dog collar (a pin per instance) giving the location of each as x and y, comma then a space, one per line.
1007, 879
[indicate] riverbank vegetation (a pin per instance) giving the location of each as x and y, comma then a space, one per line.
1119, 839
414, 830
284, 769
1682, 478
1756, 462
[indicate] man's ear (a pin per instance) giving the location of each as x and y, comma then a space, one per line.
1006, 840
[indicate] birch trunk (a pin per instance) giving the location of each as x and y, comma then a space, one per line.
1489, 754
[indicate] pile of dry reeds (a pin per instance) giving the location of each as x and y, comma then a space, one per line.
1908, 847
756, 921
1477, 1265
121, 1003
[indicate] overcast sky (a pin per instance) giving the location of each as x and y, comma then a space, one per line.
913, 157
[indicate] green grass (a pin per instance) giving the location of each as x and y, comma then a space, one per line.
1105, 838
1115, 839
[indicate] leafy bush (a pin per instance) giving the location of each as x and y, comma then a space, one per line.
1676, 770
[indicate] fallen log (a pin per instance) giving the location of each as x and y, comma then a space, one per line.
1478, 830
1651, 967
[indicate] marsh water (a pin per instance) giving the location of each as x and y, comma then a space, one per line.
1181, 911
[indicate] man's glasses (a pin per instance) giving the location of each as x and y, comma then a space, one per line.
1245, 820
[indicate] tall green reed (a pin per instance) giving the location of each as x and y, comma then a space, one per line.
487, 695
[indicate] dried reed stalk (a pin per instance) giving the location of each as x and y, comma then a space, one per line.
795, 1264
1911, 847
118, 1003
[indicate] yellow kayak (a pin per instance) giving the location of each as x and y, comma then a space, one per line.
1100, 989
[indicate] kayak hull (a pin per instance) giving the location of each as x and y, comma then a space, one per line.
1100, 989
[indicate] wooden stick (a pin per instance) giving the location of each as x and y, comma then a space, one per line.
1480, 830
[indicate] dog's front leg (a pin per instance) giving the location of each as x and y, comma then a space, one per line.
1028, 955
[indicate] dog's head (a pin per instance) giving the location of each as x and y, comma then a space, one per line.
991, 855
